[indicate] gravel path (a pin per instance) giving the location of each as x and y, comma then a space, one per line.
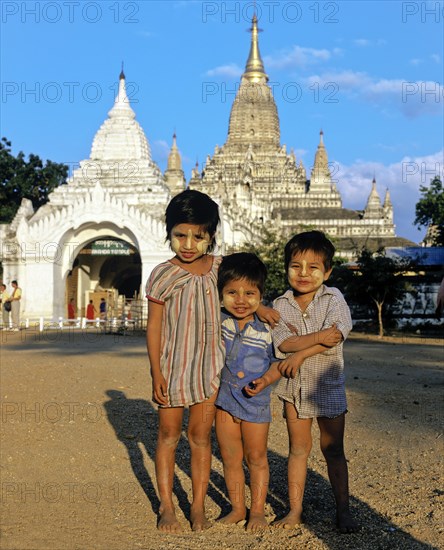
78, 439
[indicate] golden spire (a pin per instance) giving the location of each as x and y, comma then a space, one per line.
174, 159
254, 70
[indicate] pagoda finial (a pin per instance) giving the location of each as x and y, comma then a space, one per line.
254, 70
122, 105
174, 158
387, 200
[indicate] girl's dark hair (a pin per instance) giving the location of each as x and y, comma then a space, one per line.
242, 265
315, 241
195, 208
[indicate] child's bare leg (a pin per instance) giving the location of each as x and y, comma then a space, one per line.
170, 426
299, 433
255, 451
199, 430
229, 438
332, 446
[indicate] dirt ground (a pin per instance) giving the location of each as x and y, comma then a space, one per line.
78, 432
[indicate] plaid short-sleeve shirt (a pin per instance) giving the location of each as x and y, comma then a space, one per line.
319, 386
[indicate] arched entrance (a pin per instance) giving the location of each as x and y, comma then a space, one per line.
106, 272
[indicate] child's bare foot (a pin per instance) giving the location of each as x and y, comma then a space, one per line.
235, 516
256, 523
168, 522
198, 520
345, 522
290, 521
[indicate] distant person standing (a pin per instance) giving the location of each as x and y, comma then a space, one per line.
5, 303
71, 309
90, 311
102, 309
15, 298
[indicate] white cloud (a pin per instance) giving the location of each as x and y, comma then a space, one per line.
160, 149
362, 42
298, 56
412, 98
402, 178
365, 42
436, 58
286, 59
231, 71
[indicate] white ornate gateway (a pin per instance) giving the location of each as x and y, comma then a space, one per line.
103, 231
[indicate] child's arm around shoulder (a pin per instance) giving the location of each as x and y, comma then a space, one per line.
268, 315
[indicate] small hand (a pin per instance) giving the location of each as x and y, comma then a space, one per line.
256, 386
268, 315
289, 366
330, 337
160, 394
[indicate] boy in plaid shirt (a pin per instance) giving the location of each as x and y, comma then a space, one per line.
315, 320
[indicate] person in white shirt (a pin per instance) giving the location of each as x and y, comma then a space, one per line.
15, 298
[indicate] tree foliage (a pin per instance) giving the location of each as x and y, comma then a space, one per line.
379, 282
30, 179
430, 210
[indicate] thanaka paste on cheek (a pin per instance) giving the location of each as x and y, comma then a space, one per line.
292, 274
317, 276
228, 300
175, 244
203, 245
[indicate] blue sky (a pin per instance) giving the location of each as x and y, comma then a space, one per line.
370, 74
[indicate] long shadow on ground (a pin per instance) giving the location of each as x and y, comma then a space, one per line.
135, 425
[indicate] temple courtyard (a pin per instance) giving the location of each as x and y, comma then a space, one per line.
78, 432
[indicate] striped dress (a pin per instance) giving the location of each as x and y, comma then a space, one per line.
191, 353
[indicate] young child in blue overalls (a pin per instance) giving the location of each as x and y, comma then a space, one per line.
243, 404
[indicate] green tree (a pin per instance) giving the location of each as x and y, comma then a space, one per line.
430, 210
30, 179
378, 282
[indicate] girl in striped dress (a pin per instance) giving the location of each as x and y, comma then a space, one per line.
185, 348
